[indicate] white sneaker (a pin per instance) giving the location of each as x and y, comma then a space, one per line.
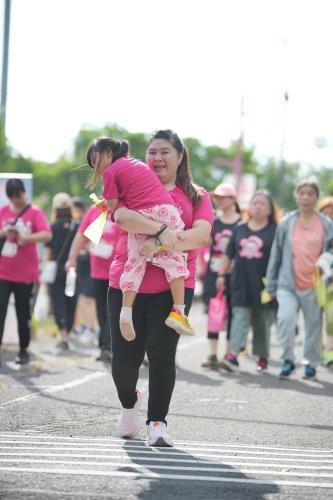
128, 424
157, 434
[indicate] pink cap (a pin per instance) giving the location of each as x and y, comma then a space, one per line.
224, 190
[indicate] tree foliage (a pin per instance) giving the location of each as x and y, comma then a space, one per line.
69, 173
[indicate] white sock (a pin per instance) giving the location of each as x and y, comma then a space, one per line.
180, 308
126, 323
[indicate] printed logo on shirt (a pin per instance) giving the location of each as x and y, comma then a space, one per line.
221, 240
251, 248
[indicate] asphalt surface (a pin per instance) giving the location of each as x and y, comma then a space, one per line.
244, 435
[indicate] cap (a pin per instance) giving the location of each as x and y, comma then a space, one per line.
61, 200
224, 190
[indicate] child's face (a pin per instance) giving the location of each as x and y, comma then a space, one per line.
101, 161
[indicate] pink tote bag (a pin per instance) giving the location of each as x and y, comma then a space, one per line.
217, 313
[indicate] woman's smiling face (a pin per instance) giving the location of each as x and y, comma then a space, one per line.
163, 159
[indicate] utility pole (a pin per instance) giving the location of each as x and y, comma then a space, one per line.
4, 79
281, 171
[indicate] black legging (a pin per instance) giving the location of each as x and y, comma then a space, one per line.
101, 294
63, 307
152, 336
23, 295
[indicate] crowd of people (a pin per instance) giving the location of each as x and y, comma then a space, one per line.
140, 276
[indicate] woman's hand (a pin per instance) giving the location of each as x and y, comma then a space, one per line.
71, 262
169, 239
149, 248
220, 283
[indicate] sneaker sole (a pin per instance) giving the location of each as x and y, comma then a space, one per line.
160, 442
127, 332
175, 325
228, 366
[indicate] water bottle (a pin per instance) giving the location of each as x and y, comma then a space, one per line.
70, 282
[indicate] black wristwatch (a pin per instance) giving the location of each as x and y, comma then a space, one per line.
161, 230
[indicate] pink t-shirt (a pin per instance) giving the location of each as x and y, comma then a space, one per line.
134, 183
19, 262
307, 245
101, 255
154, 280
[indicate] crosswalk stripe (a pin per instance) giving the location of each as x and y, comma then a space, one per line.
111, 440
111, 457
151, 451
168, 460
183, 477
171, 467
111, 447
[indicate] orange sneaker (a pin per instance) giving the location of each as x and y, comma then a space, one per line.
179, 322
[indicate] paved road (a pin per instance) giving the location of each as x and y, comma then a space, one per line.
236, 436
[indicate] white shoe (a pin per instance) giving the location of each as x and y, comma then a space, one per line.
128, 424
157, 434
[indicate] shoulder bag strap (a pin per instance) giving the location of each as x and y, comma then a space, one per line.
66, 241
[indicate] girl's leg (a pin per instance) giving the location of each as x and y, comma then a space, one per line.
161, 350
177, 287
130, 282
127, 356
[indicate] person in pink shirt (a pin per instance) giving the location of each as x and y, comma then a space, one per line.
101, 256
134, 184
168, 159
23, 226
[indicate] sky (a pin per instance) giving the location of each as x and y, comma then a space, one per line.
180, 64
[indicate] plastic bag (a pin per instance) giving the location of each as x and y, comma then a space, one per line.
49, 272
320, 288
329, 310
217, 313
42, 305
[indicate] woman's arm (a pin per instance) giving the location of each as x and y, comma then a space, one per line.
134, 222
39, 237
196, 237
79, 242
191, 239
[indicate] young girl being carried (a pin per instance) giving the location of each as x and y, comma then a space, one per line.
130, 182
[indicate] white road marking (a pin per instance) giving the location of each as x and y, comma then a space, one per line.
90, 440
55, 388
131, 446
191, 461
170, 467
165, 451
168, 460
185, 477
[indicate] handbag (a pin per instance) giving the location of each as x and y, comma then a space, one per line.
3, 239
217, 313
50, 267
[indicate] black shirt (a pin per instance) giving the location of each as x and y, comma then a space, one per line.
60, 230
250, 251
220, 238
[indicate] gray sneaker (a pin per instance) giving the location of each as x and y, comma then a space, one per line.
105, 356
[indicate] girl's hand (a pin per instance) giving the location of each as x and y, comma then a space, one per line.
149, 248
169, 239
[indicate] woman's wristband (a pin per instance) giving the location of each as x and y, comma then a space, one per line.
161, 230
221, 275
